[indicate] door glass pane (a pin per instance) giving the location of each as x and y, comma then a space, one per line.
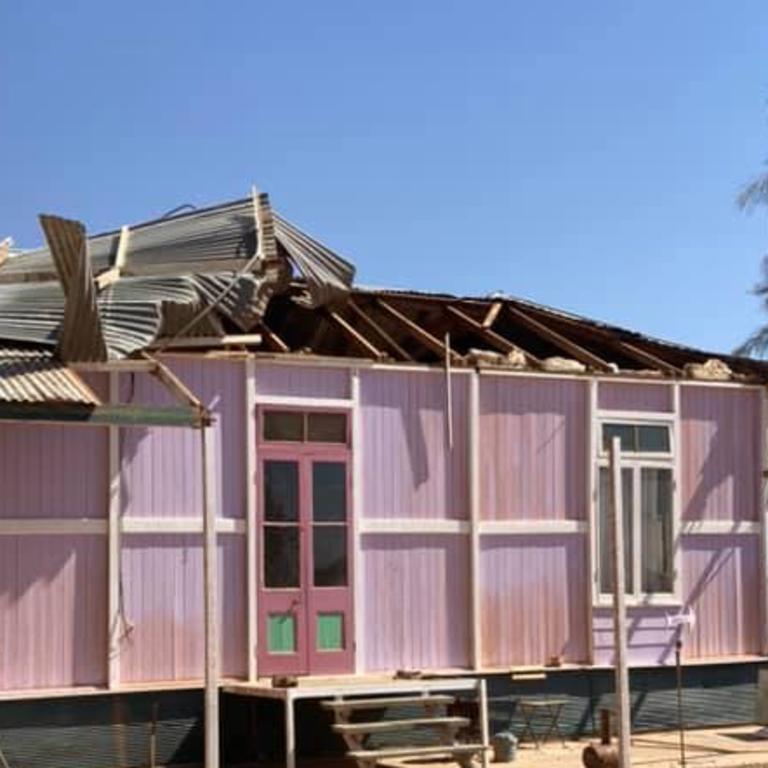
281, 556
656, 530
284, 425
281, 633
652, 438
330, 632
329, 491
281, 491
327, 427
606, 530
329, 549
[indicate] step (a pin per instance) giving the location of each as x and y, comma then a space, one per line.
389, 752
386, 726
383, 703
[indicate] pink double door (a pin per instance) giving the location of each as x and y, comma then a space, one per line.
305, 560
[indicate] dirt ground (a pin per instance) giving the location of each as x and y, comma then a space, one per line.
712, 748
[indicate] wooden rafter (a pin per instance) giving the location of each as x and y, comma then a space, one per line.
415, 330
647, 358
355, 336
557, 339
497, 340
376, 328
273, 339
492, 314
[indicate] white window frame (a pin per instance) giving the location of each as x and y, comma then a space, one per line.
636, 461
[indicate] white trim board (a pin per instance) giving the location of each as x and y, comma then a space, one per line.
53, 526
412, 525
179, 525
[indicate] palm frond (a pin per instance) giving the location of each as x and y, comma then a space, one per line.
754, 194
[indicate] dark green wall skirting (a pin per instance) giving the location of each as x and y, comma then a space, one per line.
113, 731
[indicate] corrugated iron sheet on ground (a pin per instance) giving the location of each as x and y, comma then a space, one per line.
35, 376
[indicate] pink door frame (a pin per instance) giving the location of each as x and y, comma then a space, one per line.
307, 601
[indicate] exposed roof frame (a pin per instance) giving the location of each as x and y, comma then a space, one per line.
414, 329
557, 339
646, 357
499, 341
272, 338
376, 328
355, 335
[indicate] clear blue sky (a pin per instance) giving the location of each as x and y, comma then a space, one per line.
585, 155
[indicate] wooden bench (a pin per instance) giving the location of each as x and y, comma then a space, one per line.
447, 724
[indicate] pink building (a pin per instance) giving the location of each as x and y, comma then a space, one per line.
388, 498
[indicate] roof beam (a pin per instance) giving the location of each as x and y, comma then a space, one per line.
553, 337
103, 415
374, 326
492, 314
357, 338
272, 338
414, 329
499, 341
647, 358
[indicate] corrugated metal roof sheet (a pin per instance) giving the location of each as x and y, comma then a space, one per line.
35, 376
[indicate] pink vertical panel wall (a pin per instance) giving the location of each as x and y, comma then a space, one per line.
650, 640
302, 381
416, 601
533, 592
53, 471
409, 468
53, 609
161, 466
163, 587
532, 448
635, 397
720, 453
721, 578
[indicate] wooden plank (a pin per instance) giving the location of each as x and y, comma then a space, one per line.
274, 341
383, 702
389, 726
197, 342
390, 752
103, 415
174, 384
497, 340
492, 314
372, 324
553, 337
425, 337
647, 358
356, 337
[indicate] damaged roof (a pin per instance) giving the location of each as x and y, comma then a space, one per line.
240, 275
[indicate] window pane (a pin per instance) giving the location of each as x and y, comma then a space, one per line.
330, 632
281, 556
329, 549
606, 530
656, 530
327, 427
652, 438
281, 633
625, 432
281, 491
284, 425
329, 491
